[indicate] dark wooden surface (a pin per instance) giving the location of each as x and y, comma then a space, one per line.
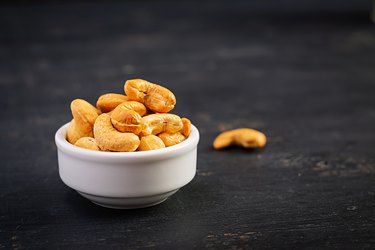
306, 79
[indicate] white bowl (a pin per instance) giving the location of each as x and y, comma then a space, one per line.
127, 179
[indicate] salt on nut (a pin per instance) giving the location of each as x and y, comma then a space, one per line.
158, 123
150, 142
244, 137
153, 96
110, 101
88, 143
126, 117
110, 139
171, 139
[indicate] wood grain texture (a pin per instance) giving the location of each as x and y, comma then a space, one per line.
306, 80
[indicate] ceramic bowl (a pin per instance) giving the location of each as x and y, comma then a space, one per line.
127, 179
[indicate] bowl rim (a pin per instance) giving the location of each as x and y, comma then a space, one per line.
63, 145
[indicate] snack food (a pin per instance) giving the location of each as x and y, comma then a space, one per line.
158, 123
126, 123
126, 117
186, 126
110, 139
171, 139
150, 142
110, 101
84, 116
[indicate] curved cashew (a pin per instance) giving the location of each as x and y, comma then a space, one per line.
153, 96
171, 139
110, 101
150, 142
74, 132
84, 114
88, 143
186, 127
158, 123
108, 138
126, 117
244, 137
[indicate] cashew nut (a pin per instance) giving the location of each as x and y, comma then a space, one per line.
150, 142
118, 120
84, 114
110, 101
74, 132
158, 123
88, 143
244, 137
153, 96
171, 139
108, 138
186, 127
126, 117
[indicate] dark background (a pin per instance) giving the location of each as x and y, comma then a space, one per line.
303, 72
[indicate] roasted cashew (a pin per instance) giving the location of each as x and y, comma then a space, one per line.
88, 143
117, 120
158, 123
186, 126
244, 137
84, 114
74, 132
150, 142
153, 96
110, 101
109, 139
171, 139
126, 117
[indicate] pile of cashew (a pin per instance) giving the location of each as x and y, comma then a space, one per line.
136, 121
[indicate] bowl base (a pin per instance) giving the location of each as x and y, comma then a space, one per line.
128, 203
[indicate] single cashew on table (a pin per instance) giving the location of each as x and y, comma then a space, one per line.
137, 120
243, 137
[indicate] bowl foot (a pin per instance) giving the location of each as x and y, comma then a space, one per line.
126, 202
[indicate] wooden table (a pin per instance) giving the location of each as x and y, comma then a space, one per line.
306, 79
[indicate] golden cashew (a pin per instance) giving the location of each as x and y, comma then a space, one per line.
153, 96
84, 114
110, 101
244, 137
88, 143
129, 121
158, 123
74, 132
117, 120
171, 139
127, 116
186, 127
150, 142
108, 138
